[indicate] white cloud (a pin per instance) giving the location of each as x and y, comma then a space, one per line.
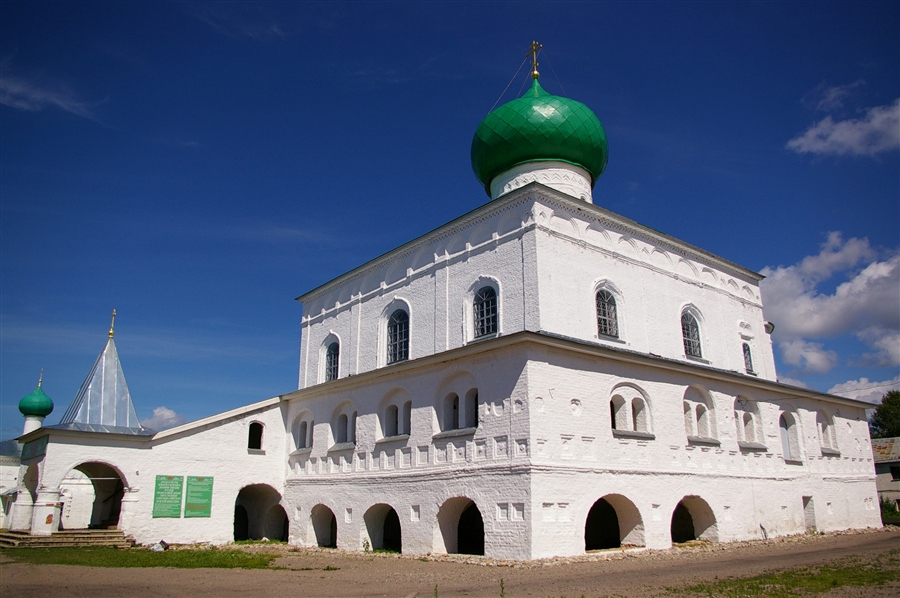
866, 305
809, 357
886, 344
877, 131
24, 95
865, 390
826, 99
163, 418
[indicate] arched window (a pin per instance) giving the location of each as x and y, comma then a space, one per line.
607, 318
639, 415
748, 359
340, 435
485, 312
302, 432
451, 412
688, 419
407, 418
398, 337
390, 421
332, 354
472, 408
628, 415
702, 421
690, 332
825, 425
302, 435
699, 417
254, 438
748, 424
789, 445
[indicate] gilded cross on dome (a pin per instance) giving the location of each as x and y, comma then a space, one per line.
535, 48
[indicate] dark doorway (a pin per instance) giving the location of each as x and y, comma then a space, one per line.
277, 526
241, 524
392, 534
602, 527
324, 526
682, 525
470, 532
256, 503
333, 531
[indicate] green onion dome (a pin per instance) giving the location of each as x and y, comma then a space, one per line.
538, 127
36, 404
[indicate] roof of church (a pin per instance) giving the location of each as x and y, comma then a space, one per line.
538, 127
103, 403
36, 404
886, 449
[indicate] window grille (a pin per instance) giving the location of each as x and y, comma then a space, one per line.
332, 355
690, 331
607, 319
748, 359
485, 312
398, 337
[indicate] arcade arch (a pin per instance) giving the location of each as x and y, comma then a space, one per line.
383, 528
91, 494
324, 526
612, 522
459, 528
258, 514
693, 519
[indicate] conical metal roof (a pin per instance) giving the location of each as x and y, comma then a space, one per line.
103, 403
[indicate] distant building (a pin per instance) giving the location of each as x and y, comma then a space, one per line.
887, 468
538, 377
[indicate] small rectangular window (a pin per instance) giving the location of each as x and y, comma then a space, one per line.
895, 472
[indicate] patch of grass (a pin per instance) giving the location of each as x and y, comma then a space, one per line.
262, 542
213, 558
805, 580
330, 568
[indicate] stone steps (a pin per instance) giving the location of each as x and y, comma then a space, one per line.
66, 539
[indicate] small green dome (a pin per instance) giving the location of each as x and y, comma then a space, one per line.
538, 127
37, 403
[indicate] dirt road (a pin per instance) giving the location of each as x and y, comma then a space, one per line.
645, 573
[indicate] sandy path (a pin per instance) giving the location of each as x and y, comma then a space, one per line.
638, 574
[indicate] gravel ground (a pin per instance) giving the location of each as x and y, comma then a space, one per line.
337, 574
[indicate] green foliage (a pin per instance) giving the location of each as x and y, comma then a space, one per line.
214, 558
889, 509
853, 571
885, 422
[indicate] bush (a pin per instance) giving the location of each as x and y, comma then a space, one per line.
889, 509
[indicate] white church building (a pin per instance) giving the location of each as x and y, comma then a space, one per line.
538, 377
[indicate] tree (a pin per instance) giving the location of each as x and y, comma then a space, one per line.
885, 422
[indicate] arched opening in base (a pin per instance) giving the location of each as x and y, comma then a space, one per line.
324, 526
91, 494
254, 508
277, 526
612, 522
470, 532
693, 519
383, 528
460, 527
601, 530
241, 524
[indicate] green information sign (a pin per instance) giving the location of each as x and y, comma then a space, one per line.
198, 497
167, 497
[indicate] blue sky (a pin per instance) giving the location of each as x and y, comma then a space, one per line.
196, 166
